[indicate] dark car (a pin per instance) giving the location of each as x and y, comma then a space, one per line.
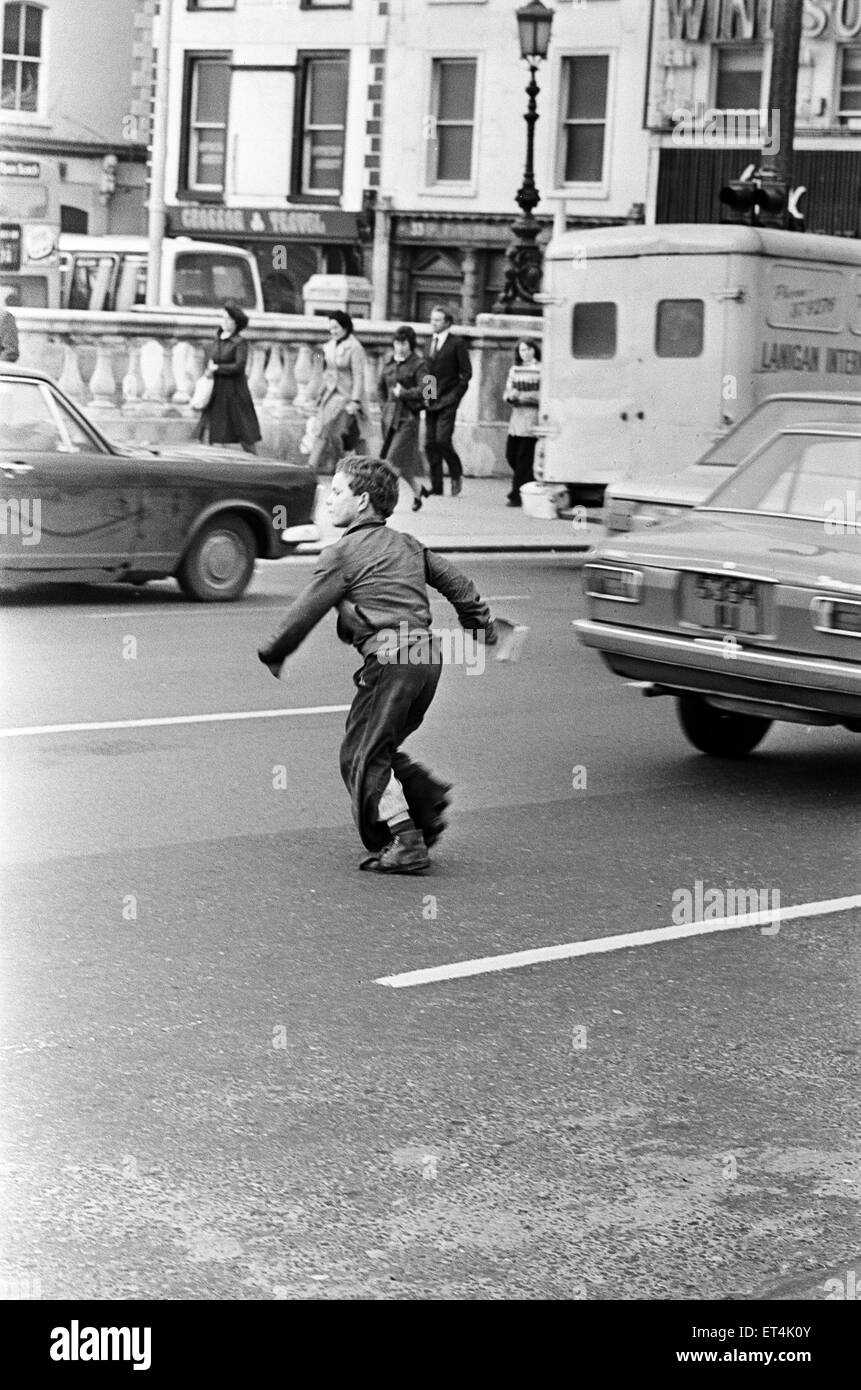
749, 609
75, 506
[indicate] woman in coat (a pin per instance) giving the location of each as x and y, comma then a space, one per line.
230, 417
342, 405
400, 394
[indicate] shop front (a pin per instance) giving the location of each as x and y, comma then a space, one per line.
708, 108
290, 244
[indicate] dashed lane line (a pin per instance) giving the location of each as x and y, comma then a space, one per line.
516, 960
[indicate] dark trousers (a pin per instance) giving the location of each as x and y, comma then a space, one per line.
439, 428
390, 703
520, 454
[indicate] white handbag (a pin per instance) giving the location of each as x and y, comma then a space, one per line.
202, 393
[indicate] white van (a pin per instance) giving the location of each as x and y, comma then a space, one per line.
658, 339
109, 273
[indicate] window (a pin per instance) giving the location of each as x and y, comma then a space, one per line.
206, 279
584, 118
452, 120
795, 475
207, 105
323, 124
34, 421
849, 111
22, 57
679, 327
91, 280
738, 85
211, 4
593, 330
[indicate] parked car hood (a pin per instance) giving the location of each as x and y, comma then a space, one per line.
785, 548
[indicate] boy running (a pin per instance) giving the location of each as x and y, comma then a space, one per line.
376, 579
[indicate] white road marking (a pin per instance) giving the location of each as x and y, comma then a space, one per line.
170, 719
458, 970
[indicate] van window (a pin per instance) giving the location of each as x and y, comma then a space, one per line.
593, 330
131, 286
206, 279
679, 328
90, 281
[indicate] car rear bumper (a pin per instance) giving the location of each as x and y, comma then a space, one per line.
716, 667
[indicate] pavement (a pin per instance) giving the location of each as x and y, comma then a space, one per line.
477, 520
208, 1091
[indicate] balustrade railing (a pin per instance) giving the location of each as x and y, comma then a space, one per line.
136, 371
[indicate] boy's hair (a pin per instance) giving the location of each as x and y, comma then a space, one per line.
373, 476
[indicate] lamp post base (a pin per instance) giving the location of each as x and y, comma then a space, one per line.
523, 270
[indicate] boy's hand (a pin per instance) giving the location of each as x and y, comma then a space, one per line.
509, 639
274, 666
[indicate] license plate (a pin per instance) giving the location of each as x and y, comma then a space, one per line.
724, 603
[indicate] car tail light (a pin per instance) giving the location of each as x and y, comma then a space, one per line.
614, 582
838, 615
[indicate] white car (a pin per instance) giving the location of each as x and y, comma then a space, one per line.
633, 504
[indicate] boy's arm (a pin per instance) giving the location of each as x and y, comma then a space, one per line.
462, 594
328, 586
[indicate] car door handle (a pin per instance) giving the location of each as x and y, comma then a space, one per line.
13, 469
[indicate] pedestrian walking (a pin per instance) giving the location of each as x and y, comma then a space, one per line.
521, 393
230, 417
448, 372
342, 405
8, 337
400, 393
376, 577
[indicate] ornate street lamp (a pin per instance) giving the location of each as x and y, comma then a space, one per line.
524, 257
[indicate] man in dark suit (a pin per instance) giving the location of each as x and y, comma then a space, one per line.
444, 386
8, 337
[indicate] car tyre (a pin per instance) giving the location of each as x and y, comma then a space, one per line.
219, 563
722, 733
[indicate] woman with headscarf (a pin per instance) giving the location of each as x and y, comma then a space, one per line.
230, 417
399, 389
342, 405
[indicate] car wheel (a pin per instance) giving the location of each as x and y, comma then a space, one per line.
722, 733
219, 562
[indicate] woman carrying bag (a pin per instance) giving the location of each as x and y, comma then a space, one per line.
342, 405
400, 394
229, 417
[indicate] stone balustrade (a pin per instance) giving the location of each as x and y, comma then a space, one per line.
135, 374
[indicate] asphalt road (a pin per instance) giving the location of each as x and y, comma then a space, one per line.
207, 1092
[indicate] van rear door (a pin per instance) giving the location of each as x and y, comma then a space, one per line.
633, 366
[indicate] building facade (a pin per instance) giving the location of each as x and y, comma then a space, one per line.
386, 137
274, 105
454, 139
67, 94
712, 56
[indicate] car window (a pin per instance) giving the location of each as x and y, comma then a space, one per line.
27, 424
78, 437
795, 475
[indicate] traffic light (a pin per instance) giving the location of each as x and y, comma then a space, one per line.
756, 202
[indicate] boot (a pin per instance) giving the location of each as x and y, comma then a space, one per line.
407, 854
